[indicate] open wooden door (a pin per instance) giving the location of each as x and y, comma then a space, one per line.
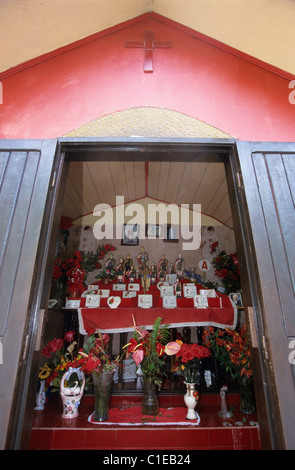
28, 171
265, 195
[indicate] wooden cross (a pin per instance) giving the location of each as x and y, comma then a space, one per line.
148, 45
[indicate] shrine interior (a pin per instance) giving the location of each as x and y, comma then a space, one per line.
199, 189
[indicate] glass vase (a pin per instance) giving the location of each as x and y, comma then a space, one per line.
150, 402
102, 390
247, 400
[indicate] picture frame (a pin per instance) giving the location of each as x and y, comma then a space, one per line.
169, 301
237, 299
201, 301
153, 231
130, 235
189, 290
171, 233
145, 301
92, 301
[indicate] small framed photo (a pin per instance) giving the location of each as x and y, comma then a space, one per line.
92, 301
153, 231
104, 293
145, 301
171, 233
201, 301
236, 297
189, 290
169, 301
167, 290
128, 294
70, 303
130, 235
134, 287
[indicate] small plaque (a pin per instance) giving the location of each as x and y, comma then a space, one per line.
104, 293
145, 301
70, 303
169, 301
128, 294
167, 290
201, 301
134, 287
208, 292
189, 290
119, 287
92, 301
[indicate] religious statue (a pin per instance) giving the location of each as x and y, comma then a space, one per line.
177, 288
179, 266
128, 263
153, 273
120, 271
110, 264
131, 274
172, 269
145, 279
162, 267
142, 259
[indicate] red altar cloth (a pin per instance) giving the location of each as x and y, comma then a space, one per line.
221, 312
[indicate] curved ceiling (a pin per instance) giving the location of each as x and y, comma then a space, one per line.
261, 28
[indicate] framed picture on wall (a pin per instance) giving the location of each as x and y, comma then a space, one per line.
153, 231
130, 235
236, 298
171, 233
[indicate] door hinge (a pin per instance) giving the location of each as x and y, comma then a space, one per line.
265, 347
53, 179
239, 179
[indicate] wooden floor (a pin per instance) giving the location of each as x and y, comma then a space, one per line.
51, 431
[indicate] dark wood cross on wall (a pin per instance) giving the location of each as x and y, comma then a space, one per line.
148, 45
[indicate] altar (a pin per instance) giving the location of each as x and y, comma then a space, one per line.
220, 311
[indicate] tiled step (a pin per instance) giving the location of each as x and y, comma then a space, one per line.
51, 431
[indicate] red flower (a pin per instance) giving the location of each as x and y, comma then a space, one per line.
53, 346
69, 336
65, 222
57, 272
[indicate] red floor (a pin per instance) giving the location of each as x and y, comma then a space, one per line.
51, 431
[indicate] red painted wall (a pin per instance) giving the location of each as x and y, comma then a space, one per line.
52, 98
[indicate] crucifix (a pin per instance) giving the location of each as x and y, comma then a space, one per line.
148, 45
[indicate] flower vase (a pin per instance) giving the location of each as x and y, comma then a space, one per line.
41, 397
102, 390
150, 402
71, 396
247, 401
191, 400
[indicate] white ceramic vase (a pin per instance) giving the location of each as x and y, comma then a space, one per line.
191, 402
41, 397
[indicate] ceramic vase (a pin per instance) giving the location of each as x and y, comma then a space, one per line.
71, 396
41, 397
191, 402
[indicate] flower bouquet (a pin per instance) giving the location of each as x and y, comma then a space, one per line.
96, 361
231, 348
59, 354
190, 360
148, 350
227, 270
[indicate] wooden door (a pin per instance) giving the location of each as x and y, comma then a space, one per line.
265, 194
27, 174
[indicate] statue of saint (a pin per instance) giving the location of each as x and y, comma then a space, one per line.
162, 267
110, 264
120, 271
153, 273
142, 259
128, 263
179, 266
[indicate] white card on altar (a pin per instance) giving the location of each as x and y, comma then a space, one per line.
134, 287
70, 303
92, 300
119, 287
171, 278
93, 287
201, 301
189, 290
104, 293
169, 301
128, 294
167, 290
208, 292
145, 301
